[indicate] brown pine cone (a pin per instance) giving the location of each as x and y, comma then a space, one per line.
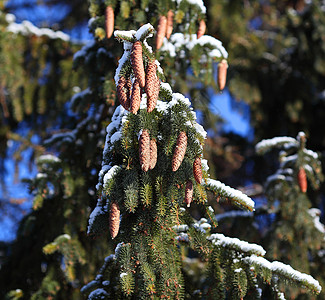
114, 220
123, 93
180, 150
197, 170
170, 21
137, 63
152, 86
302, 179
144, 150
153, 154
188, 193
222, 74
201, 29
109, 21
161, 31
135, 97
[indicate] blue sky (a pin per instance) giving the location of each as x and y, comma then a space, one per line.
236, 120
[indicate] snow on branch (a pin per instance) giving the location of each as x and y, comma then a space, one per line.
286, 271
198, 3
219, 239
179, 41
266, 145
315, 214
232, 194
27, 28
48, 158
234, 214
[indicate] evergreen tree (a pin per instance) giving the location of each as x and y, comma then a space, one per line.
296, 235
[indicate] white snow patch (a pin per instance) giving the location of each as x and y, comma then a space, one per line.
274, 142
110, 173
284, 270
48, 157
27, 28
220, 239
315, 214
231, 193
179, 41
142, 30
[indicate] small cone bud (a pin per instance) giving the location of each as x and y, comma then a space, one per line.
197, 170
201, 29
114, 220
161, 31
180, 150
122, 93
109, 21
153, 154
135, 97
137, 63
144, 150
152, 86
222, 74
170, 21
188, 193
302, 179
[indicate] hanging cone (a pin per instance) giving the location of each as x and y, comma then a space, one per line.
222, 74
161, 31
188, 193
114, 220
122, 93
180, 150
302, 179
152, 86
153, 154
170, 21
109, 21
135, 97
197, 170
201, 29
144, 150
137, 63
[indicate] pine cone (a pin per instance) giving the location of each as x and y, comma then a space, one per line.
170, 21
188, 193
201, 29
197, 170
136, 97
180, 150
161, 31
144, 150
114, 220
152, 86
302, 179
153, 154
122, 93
222, 74
109, 21
137, 63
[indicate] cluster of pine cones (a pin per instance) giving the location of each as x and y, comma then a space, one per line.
129, 94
